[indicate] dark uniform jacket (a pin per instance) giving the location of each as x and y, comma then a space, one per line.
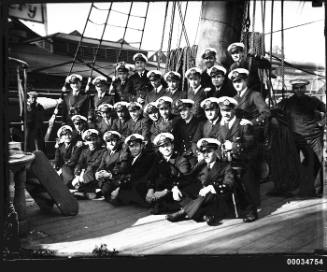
252, 106
102, 126
121, 126
153, 95
165, 174
226, 89
187, 135
210, 130
165, 125
179, 94
106, 99
90, 161
77, 136
139, 86
206, 80
121, 91
140, 126
67, 156
110, 160
79, 104
197, 97
242, 137
35, 135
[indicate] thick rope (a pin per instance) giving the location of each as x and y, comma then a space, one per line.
282, 48
271, 40
183, 25
163, 35
181, 33
253, 23
197, 27
80, 41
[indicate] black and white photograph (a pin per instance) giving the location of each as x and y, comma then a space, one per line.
164, 128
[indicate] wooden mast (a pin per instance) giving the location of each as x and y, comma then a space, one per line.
220, 25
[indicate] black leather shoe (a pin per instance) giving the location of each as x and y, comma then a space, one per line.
250, 217
212, 220
177, 216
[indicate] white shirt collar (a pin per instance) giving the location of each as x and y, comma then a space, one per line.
168, 158
158, 89
215, 121
243, 92
197, 89
231, 122
173, 91
189, 120
211, 164
134, 160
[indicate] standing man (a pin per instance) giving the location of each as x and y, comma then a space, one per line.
174, 91
139, 84
120, 84
75, 101
196, 91
209, 59
211, 125
35, 116
304, 114
102, 85
187, 130
221, 86
157, 89
239, 147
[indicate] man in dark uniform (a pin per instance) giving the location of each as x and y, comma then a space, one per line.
196, 92
133, 173
120, 84
151, 113
174, 91
209, 59
167, 119
157, 89
304, 114
139, 84
34, 129
80, 126
187, 130
107, 118
169, 167
251, 63
211, 125
75, 101
87, 164
102, 96
121, 123
205, 193
221, 86
109, 165
137, 124
239, 147
66, 155
251, 104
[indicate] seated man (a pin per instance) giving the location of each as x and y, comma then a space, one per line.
205, 193
151, 112
212, 112
80, 126
107, 118
240, 148
169, 167
88, 163
133, 173
66, 154
121, 123
110, 162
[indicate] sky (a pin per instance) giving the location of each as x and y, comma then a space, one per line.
303, 43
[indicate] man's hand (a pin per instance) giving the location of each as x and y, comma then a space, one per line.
245, 122
177, 194
140, 100
228, 145
203, 192
79, 144
114, 193
160, 194
150, 195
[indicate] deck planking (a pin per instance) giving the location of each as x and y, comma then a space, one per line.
285, 225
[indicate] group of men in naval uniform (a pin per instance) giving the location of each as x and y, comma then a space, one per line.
191, 154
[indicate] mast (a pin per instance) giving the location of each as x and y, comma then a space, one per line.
220, 25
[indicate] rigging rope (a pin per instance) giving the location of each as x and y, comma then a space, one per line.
253, 23
271, 40
282, 48
125, 30
162, 36
101, 39
170, 33
197, 27
181, 33
80, 41
183, 25
146, 16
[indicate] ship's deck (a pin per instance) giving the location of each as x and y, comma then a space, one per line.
285, 226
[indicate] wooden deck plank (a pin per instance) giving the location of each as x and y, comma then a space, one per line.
133, 231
